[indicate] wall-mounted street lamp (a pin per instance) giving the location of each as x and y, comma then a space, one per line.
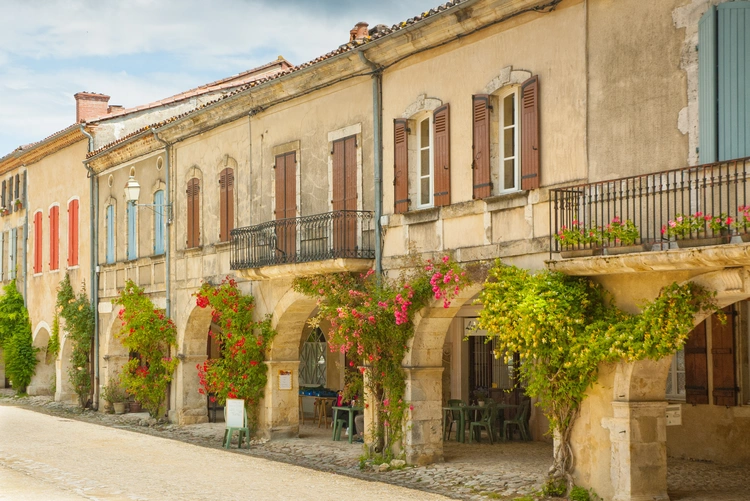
133, 191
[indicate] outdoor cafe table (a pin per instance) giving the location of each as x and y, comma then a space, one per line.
351, 419
464, 416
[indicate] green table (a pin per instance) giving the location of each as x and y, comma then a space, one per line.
351, 419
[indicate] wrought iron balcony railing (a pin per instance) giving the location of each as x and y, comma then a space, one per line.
339, 234
667, 209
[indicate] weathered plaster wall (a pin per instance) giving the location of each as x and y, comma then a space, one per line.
711, 433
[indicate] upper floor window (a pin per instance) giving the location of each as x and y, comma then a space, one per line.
132, 219
54, 237
723, 100
73, 233
193, 213
38, 236
110, 222
159, 220
506, 128
428, 164
226, 203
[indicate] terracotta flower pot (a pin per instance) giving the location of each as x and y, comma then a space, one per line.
135, 407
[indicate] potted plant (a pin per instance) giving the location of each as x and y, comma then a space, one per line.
578, 241
18, 203
687, 229
114, 394
742, 223
4, 211
621, 237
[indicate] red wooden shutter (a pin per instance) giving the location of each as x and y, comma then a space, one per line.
70, 232
400, 166
54, 238
442, 137
223, 206
722, 354
530, 134
696, 366
481, 146
38, 242
73, 233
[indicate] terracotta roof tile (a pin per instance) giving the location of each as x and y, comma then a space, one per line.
340, 50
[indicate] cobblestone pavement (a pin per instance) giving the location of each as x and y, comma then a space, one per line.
470, 471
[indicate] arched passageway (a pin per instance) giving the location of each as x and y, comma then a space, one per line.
190, 405
44, 380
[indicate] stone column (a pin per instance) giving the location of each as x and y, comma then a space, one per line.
190, 405
423, 434
638, 434
279, 413
371, 410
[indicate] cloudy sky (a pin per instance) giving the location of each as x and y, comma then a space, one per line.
138, 51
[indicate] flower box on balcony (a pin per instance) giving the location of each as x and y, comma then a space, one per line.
703, 242
626, 249
573, 253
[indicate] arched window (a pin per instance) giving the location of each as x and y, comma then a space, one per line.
312, 368
226, 202
193, 213
159, 220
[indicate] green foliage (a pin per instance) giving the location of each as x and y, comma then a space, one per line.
15, 338
114, 392
564, 327
580, 494
372, 322
146, 331
78, 314
53, 345
240, 371
555, 488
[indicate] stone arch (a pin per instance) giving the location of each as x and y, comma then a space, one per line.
423, 103
64, 391
44, 377
115, 355
190, 404
423, 439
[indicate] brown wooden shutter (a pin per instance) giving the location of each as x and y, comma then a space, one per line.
400, 166
3, 197
190, 215
696, 366
223, 206
481, 146
193, 210
530, 134
442, 137
230, 202
286, 206
722, 355
338, 201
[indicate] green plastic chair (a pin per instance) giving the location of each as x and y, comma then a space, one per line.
520, 421
455, 417
242, 433
342, 419
486, 421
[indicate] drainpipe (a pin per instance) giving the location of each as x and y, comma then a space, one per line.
168, 204
93, 259
25, 238
377, 140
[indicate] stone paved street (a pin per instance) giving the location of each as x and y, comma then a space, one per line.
476, 471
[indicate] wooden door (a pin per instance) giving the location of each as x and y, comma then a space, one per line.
344, 196
722, 354
286, 207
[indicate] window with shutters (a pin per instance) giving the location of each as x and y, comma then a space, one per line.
508, 157
226, 204
73, 233
131, 212
676, 377
193, 213
54, 238
159, 222
38, 244
110, 222
723, 78
424, 162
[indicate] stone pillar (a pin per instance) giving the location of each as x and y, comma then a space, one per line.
190, 405
423, 434
371, 410
638, 435
279, 412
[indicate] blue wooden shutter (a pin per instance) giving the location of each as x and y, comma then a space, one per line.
159, 222
2, 256
707, 86
110, 234
734, 79
12, 255
132, 237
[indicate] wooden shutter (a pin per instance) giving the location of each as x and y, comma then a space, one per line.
338, 202
286, 205
23, 189
344, 194
110, 257
230, 202
481, 146
733, 40
530, 134
226, 202
159, 222
442, 164
707, 101
2, 256
132, 216
696, 366
400, 166
193, 210
73, 233
13, 253
723, 358
54, 238
38, 242
3, 197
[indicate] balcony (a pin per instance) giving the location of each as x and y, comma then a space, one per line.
670, 210
336, 238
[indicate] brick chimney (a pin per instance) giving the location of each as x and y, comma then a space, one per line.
90, 105
359, 32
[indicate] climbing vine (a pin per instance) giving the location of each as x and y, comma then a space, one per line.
15, 338
564, 327
372, 321
239, 372
150, 337
53, 345
78, 314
